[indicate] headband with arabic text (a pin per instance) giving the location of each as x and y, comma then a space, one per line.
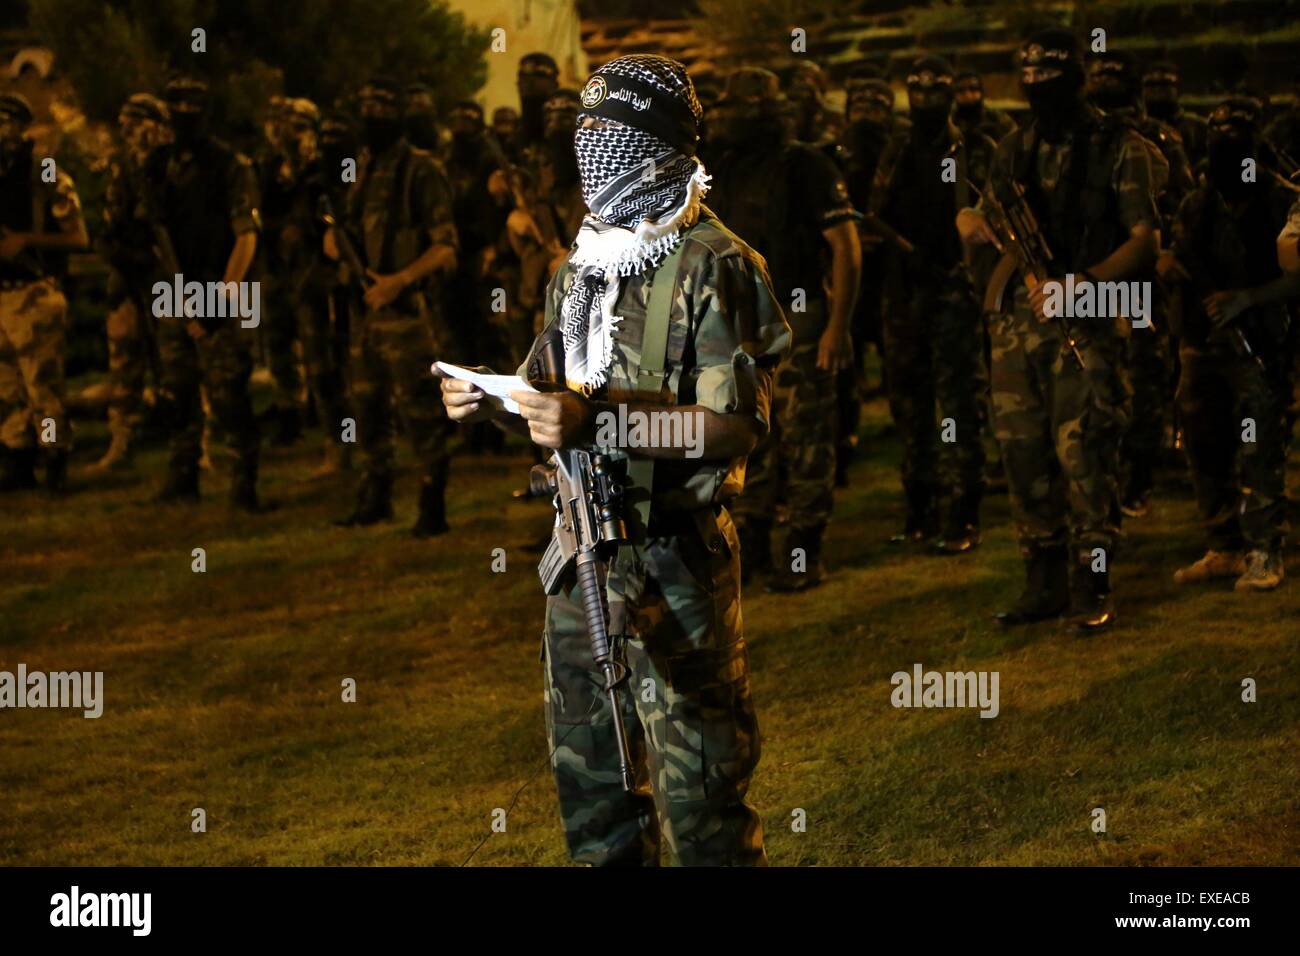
639, 104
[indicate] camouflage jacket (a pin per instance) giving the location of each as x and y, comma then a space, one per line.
33, 205
726, 335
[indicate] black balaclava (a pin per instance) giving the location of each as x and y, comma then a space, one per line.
16, 116
421, 125
336, 144
929, 91
381, 114
561, 113
187, 99
868, 111
143, 123
1160, 91
466, 125
1051, 76
752, 112
968, 97
537, 79
1231, 138
1113, 80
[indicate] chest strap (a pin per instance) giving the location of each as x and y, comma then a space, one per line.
648, 374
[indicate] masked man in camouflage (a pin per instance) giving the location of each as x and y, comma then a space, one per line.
206, 202
127, 243
400, 213
1060, 417
674, 591
40, 222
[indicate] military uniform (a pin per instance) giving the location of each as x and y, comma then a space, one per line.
674, 594
934, 342
33, 317
1059, 425
781, 200
401, 205
208, 198
1240, 485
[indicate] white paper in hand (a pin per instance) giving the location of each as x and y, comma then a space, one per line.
497, 388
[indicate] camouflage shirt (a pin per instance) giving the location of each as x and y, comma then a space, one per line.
401, 205
726, 334
30, 204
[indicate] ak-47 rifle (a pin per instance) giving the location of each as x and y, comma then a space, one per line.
513, 180
347, 249
1024, 250
874, 224
589, 527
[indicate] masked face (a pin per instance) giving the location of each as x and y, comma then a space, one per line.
187, 125
748, 120
1108, 88
303, 142
422, 130
929, 109
381, 123
465, 125
1227, 144
12, 141
1161, 100
1053, 96
968, 99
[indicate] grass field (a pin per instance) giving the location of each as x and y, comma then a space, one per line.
223, 689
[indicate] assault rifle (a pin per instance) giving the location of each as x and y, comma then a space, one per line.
513, 180
1024, 250
347, 251
589, 527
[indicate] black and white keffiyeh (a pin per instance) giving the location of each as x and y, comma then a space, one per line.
642, 192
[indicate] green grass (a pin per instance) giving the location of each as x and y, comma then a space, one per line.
223, 690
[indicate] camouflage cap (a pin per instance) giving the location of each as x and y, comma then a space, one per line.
14, 106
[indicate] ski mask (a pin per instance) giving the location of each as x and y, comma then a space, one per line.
561, 118
929, 94
968, 97
15, 117
537, 79
1160, 91
421, 127
381, 116
752, 113
1230, 139
187, 100
1052, 79
466, 125
1112, 81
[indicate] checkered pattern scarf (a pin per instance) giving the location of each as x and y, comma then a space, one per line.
642, 193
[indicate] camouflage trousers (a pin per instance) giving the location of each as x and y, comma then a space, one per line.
129, 347
219, 363
791, 474
676, 620
279, 334
1240, 485
934, 353
391, 356
320, 353
1150, 363
1060, 429
33, 319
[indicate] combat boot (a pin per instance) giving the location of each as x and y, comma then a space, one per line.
17, 468
181, 484
1047, 588
786, 580
433, 507
922, 519
1264, 570
961, 528
1212, 565
56, 470
755, 548
1092, 608
118, 454
374, 503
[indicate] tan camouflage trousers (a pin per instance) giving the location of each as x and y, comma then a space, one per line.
32, 328
686, 706
1060, 429
128, 361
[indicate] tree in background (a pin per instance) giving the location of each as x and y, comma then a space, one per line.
320, 49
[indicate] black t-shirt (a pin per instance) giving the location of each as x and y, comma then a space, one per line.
780, 201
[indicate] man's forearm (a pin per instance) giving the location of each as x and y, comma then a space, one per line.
1283, 287
715, 436
1136, 254
241, 257
438, 258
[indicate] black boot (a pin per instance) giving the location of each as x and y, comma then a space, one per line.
17, 468
922, 518
755, 548
56, 470
374, 503
181, 484
961, 528
433, 508
1092, 607
1047, 588
786, 580
243, 492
